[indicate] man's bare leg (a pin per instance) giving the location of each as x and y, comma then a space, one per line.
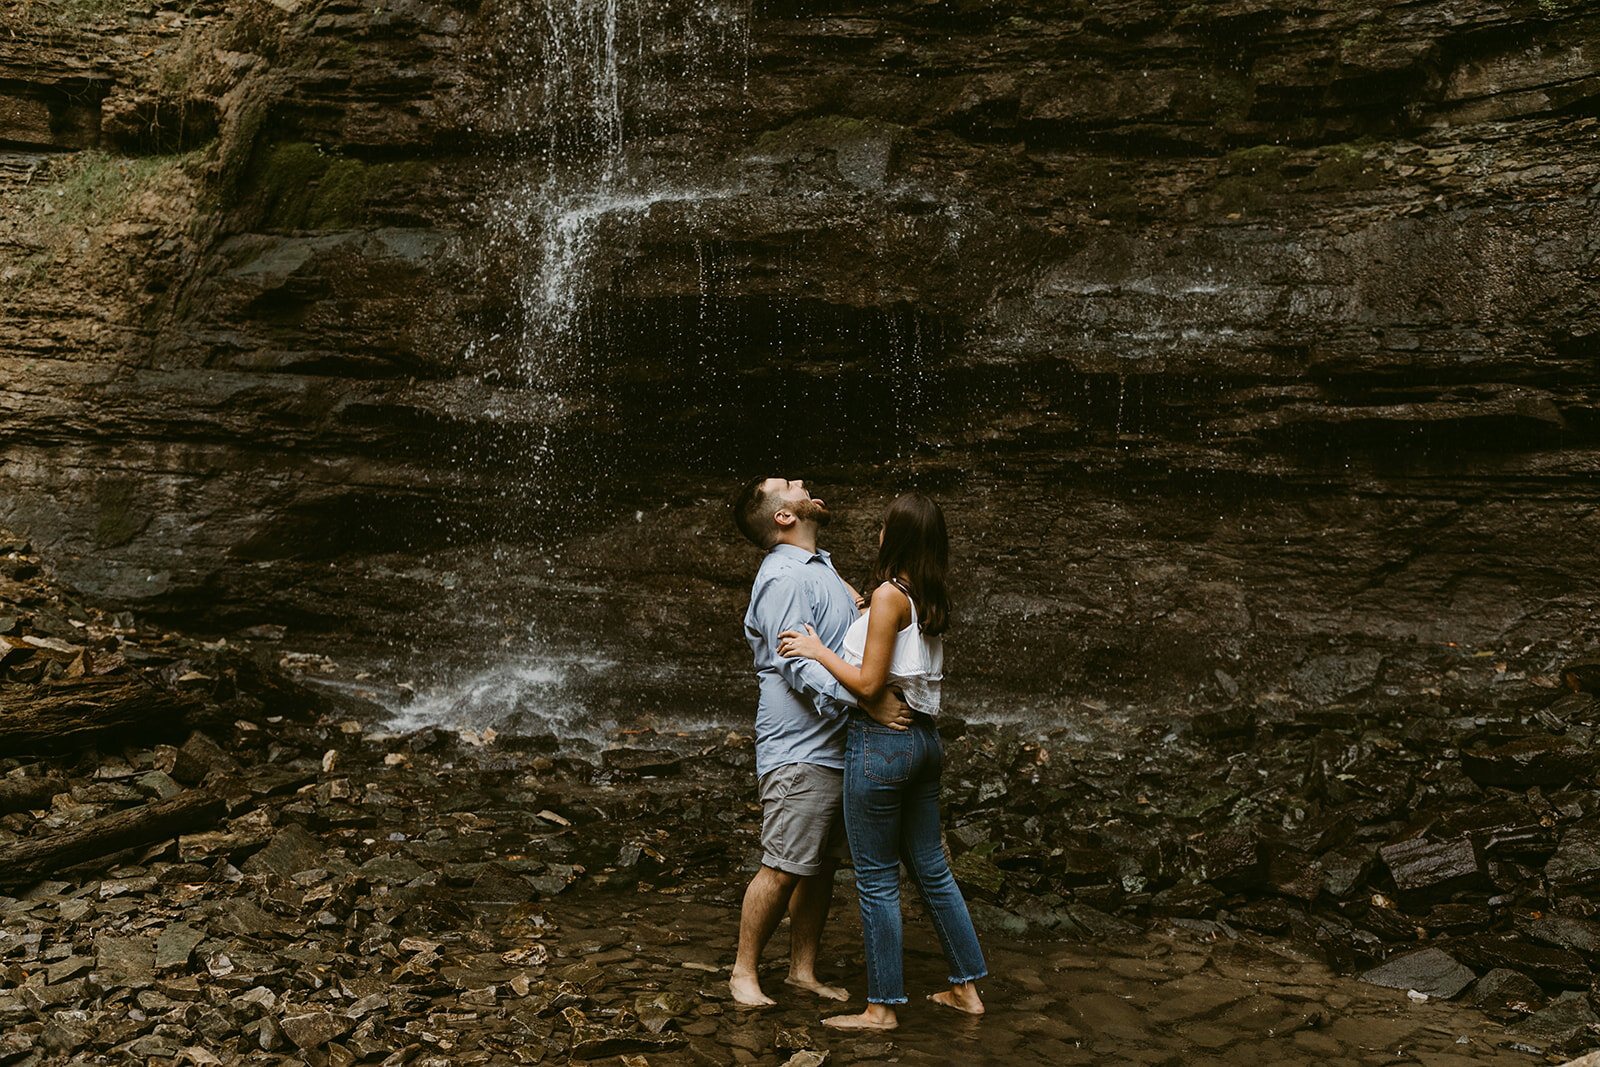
808, 913
765, 901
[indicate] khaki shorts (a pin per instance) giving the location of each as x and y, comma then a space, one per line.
802, 818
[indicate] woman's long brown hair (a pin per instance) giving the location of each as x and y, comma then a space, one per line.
916, 546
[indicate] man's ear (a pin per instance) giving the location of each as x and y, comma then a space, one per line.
783, 518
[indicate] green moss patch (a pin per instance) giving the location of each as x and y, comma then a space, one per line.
1345, 167
303, 188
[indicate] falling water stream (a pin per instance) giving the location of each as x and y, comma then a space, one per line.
573, 183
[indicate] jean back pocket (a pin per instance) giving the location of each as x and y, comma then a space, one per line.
889, 756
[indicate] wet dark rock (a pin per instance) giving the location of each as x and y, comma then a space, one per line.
1076, 866
1215, 725
1563, 931
1575, 708
1543, 963
1345, 870
1505, 830
1582, 673
264, 1034
1381, 917
198, 757
1431, 971
1531, 761
1231, 860
70, 967
157, 784
1459, 917
391, 869
646, 763
1568, 1025
1269, 916
1187, 900
1505, 990
1422, 867
1575, 866
977, 874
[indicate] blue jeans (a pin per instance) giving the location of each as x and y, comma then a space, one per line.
891, 810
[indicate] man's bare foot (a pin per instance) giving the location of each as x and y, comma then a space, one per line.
867, 1020
963, 998
746, 990
831, 992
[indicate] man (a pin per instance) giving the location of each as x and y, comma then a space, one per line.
800, 719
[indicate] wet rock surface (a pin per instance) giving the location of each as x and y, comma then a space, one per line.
360, 895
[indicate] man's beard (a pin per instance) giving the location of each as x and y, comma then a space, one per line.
809, 510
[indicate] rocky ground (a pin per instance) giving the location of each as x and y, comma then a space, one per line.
210, 857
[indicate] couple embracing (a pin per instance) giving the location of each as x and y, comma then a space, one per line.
845, 740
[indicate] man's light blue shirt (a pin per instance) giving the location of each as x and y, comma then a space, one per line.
800, 717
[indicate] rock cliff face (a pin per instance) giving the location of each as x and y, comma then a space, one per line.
1246, 336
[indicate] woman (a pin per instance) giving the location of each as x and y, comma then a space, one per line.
891, 778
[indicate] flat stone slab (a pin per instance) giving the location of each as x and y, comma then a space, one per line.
314, 1029
293, 850
1432, 971
175, 945
128, 961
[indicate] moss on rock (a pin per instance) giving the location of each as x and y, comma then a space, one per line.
301, 187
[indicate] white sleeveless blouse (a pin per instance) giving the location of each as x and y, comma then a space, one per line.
917, 666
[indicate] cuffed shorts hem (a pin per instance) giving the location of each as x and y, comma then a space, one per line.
802, 819
803, 870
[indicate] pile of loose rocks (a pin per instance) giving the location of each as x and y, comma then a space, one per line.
1452, 848
355, 899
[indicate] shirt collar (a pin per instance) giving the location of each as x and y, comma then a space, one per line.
801, 554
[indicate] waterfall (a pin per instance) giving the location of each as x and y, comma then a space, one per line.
572, 178
578, 75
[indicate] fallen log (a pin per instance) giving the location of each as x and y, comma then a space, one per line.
20, 794
32, 858
40, 719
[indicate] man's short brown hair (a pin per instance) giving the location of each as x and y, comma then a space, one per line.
752, 512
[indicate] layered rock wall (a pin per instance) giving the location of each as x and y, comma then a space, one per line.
1240, 336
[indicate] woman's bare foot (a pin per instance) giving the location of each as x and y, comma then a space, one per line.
746, 990
963, 997
876, 1017
831, 992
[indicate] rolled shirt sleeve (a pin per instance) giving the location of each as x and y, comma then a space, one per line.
780, 604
